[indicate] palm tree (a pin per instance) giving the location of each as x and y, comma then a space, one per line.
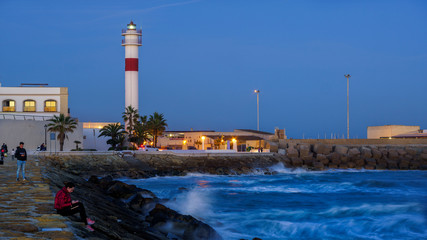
157, 125
113, 130
142, 131
130, 116
62, 125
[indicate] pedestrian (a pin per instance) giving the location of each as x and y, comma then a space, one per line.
4, 146
21, 156
66, 207
13, 153
42, 147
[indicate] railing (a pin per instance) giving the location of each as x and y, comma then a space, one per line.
8, 109
139, 31
132, 41
25, 117
50, 109
29, 109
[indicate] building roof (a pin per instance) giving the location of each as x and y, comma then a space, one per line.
237, 137
253, 131
189, 131
419, 134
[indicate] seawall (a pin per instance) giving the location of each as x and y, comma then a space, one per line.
319, 154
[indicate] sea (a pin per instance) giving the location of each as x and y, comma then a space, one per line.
300, 204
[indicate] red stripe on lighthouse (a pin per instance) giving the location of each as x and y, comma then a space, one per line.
131, 64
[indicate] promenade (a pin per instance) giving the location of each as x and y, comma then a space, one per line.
26, 207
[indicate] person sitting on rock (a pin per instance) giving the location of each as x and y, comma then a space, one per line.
66, 207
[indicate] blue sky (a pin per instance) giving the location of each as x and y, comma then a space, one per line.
201, 60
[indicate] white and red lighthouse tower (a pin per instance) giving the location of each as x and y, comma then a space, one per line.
133, 39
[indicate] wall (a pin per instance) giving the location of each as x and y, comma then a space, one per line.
353, 141
91, 140
389, 130
32, 133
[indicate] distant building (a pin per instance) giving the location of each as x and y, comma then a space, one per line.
242, 139
33, 101
391, 131
91, 131
24, 113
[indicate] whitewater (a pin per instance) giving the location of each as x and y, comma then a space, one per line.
299, 204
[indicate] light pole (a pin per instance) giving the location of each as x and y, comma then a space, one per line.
348, 106
45, 136
257, 108
203, 142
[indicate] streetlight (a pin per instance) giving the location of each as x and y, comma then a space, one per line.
348, 106
257, 108
257, 111
203, 142
45, 136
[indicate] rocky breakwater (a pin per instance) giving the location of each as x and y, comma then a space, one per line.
121, 211
321, 156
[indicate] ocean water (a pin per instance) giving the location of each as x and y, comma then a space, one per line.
341, 204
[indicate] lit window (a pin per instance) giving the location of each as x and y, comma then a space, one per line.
29, 106
50, 106
8, 106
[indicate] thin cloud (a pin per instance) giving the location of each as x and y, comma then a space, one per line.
145, 10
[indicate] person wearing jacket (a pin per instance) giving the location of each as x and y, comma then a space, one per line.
21, 156
66, 207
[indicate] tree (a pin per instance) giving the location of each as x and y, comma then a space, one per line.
62, 125
197, 143
130, 116
77, 144
115, 131
157, 124
218, 141
142, 131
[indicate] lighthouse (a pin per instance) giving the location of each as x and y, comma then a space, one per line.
131, 42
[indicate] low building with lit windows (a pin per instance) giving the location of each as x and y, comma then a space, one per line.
36, 101
24, 113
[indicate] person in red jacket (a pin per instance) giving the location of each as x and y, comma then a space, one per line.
66, 207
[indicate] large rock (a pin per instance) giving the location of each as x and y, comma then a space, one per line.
354, 152
376, 154
365, 152
169, 221
121, 190
292, 152
341, 149
334, 158
411, 151
304, 150
296, 162
320, 148
393, 154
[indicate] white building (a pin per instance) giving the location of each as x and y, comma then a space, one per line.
389, 131
40, 102
24, 113
91, 131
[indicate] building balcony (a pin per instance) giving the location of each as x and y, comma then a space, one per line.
137, 42
8, 109
132, 32
50, 109
29, 109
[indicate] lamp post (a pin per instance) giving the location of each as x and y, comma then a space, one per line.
203, 142
45, 136
257, 111
257, 108
348, 106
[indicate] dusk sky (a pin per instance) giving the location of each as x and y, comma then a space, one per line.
201, 61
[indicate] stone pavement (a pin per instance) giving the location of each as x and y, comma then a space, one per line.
26, 207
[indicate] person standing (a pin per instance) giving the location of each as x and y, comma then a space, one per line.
66, 207
21, 156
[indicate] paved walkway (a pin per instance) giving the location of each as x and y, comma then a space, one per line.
26, 207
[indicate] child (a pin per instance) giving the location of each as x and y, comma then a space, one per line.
13, 153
